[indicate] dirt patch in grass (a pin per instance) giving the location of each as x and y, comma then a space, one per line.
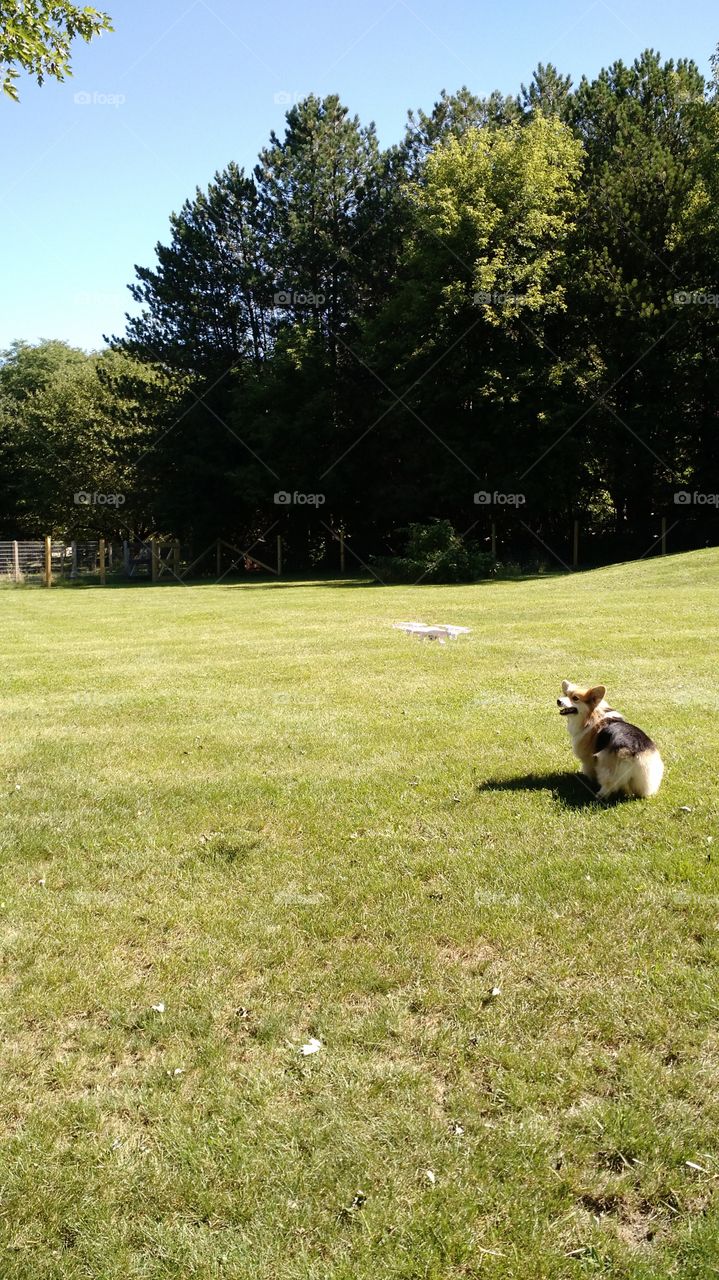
638, 1228
474, 957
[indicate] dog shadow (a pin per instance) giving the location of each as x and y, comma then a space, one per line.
573, 790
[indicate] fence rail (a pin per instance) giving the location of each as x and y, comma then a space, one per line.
55, 559
24, 558
157, 559
18, 559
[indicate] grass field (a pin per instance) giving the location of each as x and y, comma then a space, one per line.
263, 810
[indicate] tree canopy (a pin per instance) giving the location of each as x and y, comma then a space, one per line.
519, 296
36, 36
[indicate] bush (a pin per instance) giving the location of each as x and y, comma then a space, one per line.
435, 553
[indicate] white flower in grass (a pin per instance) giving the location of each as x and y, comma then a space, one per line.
313, 1046
159, 1008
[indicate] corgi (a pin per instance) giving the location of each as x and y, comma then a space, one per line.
612, 752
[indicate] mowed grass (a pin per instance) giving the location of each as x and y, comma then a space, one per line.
263, 809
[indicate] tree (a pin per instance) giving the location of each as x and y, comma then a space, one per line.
462, 338
399, 329
548, 93
329, 217
206, 317
205, 303
36, 36
452, 115
257, 301
648, 234
321, 204
73, 423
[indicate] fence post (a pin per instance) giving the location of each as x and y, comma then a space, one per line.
102, 561
155, 561
47, 575
575, 545
176, 557
664, 535
219, 557
279, 555
73, 563
126, 556
342, 551
16, 562
494, 540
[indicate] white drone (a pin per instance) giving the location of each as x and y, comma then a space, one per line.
439, 631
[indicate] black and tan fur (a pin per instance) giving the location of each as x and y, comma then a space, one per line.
617, 755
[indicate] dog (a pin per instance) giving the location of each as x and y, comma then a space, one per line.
617, 755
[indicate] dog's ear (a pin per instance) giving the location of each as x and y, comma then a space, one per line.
565, 686
596, 694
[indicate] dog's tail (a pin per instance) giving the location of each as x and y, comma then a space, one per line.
648, 773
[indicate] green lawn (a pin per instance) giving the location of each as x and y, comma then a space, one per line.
264, 809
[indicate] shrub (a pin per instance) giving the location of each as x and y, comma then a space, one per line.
436, 553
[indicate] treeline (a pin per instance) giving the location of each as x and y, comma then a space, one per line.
517, 301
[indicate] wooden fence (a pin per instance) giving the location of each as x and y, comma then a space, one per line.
45, 559
50, 560
159, 559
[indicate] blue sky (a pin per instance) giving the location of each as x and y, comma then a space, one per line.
184, 86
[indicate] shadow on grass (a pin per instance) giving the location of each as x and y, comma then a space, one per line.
574, 791
227, 580
264, 583
273, 585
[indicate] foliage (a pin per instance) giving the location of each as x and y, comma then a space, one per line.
435, 553
502, 301
36, 37
73, 424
